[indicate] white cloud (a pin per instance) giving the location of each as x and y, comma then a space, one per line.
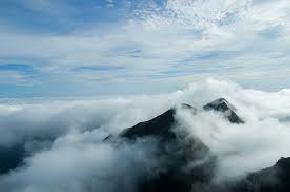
80, 166
258, 143
110, 3
79, 160
186, 38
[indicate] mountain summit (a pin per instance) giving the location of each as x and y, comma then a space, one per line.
179, 154
178, 151
161, 125
223, 106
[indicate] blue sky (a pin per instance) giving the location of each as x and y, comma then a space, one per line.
57, 48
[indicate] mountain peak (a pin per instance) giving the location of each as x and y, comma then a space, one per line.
220, 104
228, 109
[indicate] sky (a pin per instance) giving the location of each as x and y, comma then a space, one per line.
70, 48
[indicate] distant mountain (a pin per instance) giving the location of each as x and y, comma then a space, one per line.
11, 157
270, 179
176, 152
180, 152
228, 110
161, 125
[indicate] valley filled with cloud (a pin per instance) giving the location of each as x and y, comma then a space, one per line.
64, 148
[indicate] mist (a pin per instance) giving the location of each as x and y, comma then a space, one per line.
67, 151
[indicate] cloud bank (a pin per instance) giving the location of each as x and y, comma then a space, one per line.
77, 159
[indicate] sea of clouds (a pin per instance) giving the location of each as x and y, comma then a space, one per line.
64, 138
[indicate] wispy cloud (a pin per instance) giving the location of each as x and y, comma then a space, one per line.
239, 40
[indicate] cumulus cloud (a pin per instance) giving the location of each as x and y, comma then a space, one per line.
77, 158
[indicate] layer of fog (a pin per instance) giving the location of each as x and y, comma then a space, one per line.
78, 160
